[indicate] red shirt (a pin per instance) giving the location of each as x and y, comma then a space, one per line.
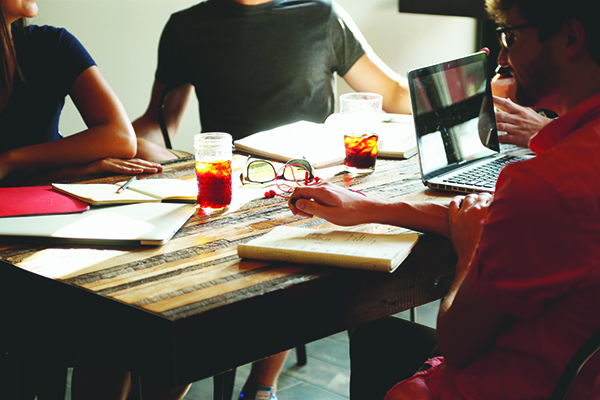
539, 262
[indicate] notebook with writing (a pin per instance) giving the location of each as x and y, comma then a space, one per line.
457, 137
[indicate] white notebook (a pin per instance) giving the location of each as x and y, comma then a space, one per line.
143, 224
140, 191
314, 142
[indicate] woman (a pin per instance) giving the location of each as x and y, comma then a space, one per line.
39, 67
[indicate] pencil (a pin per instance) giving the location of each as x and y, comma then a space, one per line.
126, 184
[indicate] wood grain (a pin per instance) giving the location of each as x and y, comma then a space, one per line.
188, 297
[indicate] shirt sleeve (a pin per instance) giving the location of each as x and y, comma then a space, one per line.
525, 254
348, 42
65, 55
169, 70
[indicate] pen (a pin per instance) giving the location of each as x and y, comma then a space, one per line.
126, 184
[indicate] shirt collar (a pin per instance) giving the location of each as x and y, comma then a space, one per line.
562, 127
241, 9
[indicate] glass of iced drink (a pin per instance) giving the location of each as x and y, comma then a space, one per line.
213, 169
360, 124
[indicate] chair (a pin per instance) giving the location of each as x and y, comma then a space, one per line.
163, 124
581, 356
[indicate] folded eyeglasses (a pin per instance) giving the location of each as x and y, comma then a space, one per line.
296, 170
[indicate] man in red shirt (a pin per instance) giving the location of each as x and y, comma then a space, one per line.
528, 277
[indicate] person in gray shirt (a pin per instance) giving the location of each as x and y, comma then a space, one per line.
259, 64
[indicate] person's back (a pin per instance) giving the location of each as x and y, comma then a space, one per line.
539, 260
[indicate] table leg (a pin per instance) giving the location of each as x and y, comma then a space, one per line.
223, 385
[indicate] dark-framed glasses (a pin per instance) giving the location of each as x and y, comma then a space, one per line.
263, 171
508, 34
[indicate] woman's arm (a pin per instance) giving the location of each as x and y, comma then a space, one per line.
109, 132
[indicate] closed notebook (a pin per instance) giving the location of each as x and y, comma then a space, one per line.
139, 191
37, 200
347, 249
397, 138
314, 142
131, 224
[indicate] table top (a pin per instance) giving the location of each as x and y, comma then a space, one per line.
192, 308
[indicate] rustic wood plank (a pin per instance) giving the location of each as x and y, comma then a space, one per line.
222, 289
161, 309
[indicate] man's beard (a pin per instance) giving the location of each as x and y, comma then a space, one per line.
541, 76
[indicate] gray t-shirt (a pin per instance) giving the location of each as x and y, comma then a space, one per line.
258, 67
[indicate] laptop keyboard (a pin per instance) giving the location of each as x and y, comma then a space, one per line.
485, 175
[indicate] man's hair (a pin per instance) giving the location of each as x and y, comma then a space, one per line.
549, 16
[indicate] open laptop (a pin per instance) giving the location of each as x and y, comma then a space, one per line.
151, 224
457, 137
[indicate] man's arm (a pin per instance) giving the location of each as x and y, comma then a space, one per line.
147, 127
371, 74
467, 324
151, 143
346, 207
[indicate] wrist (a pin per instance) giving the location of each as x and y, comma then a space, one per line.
6, 164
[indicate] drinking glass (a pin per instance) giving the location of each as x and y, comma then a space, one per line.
213, 169
360, 122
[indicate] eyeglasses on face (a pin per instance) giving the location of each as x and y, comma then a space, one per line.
508, 35
263, 171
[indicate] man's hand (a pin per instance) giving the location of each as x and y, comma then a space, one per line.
466, 215
519, 123
331, 202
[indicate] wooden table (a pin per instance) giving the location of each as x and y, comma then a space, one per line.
191, 308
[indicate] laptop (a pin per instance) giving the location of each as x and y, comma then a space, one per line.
457, 137
151, 224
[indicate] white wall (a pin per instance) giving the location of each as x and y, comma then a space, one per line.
122, 36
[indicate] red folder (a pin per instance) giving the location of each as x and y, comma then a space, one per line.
37, 200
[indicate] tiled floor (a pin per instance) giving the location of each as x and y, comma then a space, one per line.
326, 376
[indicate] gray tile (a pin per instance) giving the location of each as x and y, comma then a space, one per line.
330, 351
320, 374
306, 391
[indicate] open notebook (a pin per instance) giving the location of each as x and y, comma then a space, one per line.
133, 224
139, 191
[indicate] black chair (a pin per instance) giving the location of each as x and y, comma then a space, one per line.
581, 356
161, 117
163, 124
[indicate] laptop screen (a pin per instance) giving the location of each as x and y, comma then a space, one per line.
453, 113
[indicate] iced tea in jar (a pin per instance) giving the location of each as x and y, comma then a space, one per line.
213, 169
360, 123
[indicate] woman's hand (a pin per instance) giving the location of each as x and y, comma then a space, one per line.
120, 166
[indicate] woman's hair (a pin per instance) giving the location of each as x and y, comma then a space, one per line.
549, 16
7, 52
